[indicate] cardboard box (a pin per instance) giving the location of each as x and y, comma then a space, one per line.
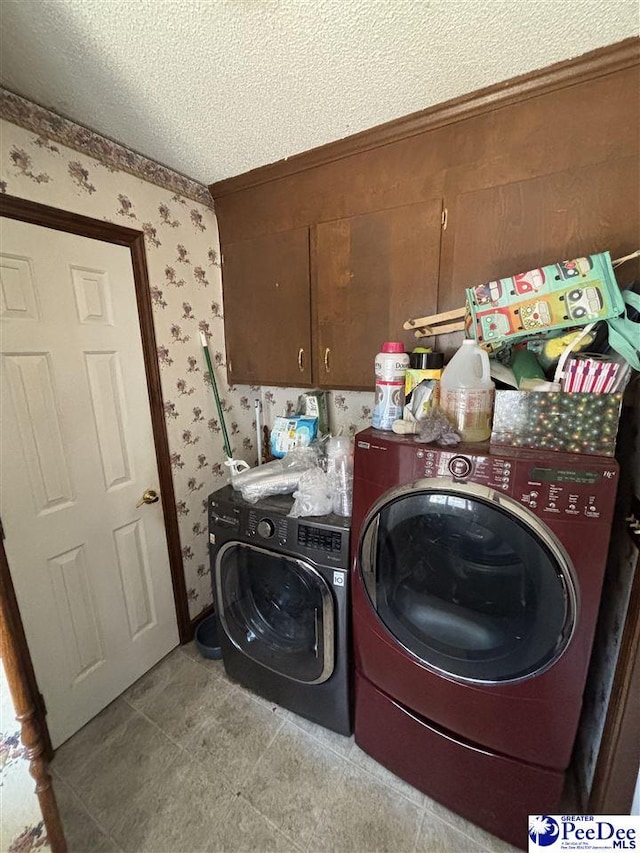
550, 420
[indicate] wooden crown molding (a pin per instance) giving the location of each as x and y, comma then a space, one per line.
597, 63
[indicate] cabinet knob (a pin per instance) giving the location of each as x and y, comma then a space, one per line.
327, 366
301, 359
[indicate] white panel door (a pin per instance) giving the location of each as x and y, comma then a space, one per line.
90, 569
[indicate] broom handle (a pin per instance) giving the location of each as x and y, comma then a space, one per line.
207, 357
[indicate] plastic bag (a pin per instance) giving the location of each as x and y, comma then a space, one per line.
280, 477
314, 494
624, 331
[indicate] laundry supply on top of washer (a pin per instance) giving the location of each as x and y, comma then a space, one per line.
279, 477
466, 392
327, 488
340, 473
314, 404
291, 432
425, 366
390, 367
318, 472
463, 390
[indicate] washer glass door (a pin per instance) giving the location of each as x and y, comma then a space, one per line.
468, 581
276, 609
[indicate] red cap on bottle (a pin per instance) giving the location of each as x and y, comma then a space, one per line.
392, 346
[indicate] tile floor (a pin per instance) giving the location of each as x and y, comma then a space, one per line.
187, 761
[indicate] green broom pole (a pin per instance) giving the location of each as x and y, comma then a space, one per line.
225, 434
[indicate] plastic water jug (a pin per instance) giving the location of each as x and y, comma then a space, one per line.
466, 392
390, 367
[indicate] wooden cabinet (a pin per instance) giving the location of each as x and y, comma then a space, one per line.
364, 277
267, 309
371, 273
312, 306
327, 253
502, 230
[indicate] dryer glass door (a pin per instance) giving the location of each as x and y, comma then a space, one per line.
468, 581
276, 609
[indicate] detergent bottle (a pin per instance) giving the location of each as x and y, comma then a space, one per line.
390, 368
466, 392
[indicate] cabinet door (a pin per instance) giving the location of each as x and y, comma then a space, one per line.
373, 272
504, 230
267, 309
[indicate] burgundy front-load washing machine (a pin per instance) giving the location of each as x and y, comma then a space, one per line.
477, 575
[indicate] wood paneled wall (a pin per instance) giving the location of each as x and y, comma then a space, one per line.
573, 128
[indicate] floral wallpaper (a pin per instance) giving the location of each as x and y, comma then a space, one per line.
181, 237
52, 127
22, 828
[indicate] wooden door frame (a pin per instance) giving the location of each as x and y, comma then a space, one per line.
28, 704
12, 207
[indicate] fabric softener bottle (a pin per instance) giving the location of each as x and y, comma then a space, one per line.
390, 366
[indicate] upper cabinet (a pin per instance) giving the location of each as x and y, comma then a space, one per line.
503, 230
371, 273
295, 317
327, 254
267, 309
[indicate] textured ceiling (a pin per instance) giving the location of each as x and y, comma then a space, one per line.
213, 88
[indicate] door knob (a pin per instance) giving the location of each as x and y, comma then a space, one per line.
149, 497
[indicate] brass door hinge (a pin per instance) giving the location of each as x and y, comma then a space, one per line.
445, 214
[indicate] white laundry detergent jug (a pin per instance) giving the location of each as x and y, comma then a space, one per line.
466, 392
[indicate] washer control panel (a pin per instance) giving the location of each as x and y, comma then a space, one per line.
581, 492
261, 526
323, 540
317, 537
568, 493
490, 471
265, 528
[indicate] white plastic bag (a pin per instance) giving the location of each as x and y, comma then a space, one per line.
279, 477
313, 496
